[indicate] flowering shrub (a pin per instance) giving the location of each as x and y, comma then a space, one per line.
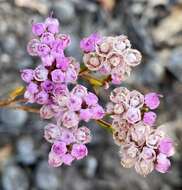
53, 84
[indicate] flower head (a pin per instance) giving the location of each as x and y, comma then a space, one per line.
89, 44
166, 147
79, 151
112, 56
152, 100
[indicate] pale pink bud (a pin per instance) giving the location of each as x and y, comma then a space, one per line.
51, 132
46, 112
119, 95
67, 159
57, 76
60, 89
118, 74
88, 44
47, 38
91, 99
144, 167
163, 164
40, 73
62, 100
54, 160
120, 132
149, 118
38, 28
70, 119
42, 97
152, 100
133, 57
57, 48
121, 43
133, 115
32, 47
148, 153
83, 135
85, 114
65, 40
32, 88
119, 108
138, 133
97, 112
115, 59
79, 91
129, 154
43, 49
136, 99
79, 151
27, 75
48, 60
29, 96
62, 63
52, 25
166, 146
105, 46
74, 103
105, 68
59, 148
71, 75
67, 135
92, 61
154, 138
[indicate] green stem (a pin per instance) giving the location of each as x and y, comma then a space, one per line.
104, 125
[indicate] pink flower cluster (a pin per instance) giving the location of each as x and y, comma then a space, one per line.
54, 69
133, 106
111, 56
67, 144
71, 107
48, 44
47, 85
44, 80
141, 145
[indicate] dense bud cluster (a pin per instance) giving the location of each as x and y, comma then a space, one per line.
111, 56
141, 144
47, 85
68, 144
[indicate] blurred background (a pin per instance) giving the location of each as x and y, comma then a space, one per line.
154, 27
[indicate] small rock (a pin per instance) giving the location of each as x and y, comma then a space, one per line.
64, 10
91, 166
14, 178
169, 30
47, 178
38, 5
24, 62
10, 43
74, 181
4, 27
26, 150
153, 72
13, 118
74, 48
5, 59
175, 64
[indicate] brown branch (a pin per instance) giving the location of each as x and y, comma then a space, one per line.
104, 124
4, 103
25, 108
